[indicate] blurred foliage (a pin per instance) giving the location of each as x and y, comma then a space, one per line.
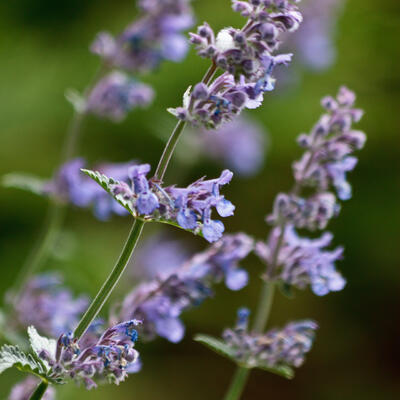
44, 51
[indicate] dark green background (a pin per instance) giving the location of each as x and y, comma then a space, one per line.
43, 51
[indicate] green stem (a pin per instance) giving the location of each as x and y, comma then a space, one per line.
40, 391
177, 132
40, 252
238, 383
112, 280
57, 211
241, 376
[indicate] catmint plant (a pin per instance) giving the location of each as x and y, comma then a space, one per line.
241, 72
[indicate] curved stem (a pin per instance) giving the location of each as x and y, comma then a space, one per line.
57, 211
115, 275
40, 252
40, 391
112, 280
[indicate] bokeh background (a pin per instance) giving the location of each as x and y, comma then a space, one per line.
44, 50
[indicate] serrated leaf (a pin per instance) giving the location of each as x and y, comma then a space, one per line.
223, 349
39, 343
26, 182
216, 345
12, 356
106, 183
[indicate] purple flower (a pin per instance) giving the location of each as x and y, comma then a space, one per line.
329, 145
110, 357
117, 94
240, 145
191, 207
160, 303
23, 390
302, 261
245, 52
155, 36
314, 40
273, 349
49, 306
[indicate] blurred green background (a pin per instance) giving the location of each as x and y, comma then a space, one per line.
44, 50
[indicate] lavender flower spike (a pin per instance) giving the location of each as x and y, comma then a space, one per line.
111, 357
155, 36
274, 349
299, 261
247, 57
23, 390
160, 302
190, 208
117, 94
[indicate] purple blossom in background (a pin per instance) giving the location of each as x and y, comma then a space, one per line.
246, 56
159, 256
23, 390
72, 186
117, 94
160, 303
155, 36
110, 358
240, 145
274, 349
49, 306
299, 261
190, 207
303, 262
314, 41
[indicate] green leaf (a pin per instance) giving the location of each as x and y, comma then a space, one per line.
39, 343
12, 356
223, 349
107, 184
26, 182
216, 345
283, 370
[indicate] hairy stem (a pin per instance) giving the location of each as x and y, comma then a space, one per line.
40, 391
112, 280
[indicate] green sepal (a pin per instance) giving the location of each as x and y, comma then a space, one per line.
286, 290
221, 348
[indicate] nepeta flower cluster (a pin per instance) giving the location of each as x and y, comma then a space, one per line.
49, 306
155, 36
116, 94
303, 262
110, 358
300, 261
23, 390
160, 303
273, 349
152, 38
246, 56
71, 186
189, 207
